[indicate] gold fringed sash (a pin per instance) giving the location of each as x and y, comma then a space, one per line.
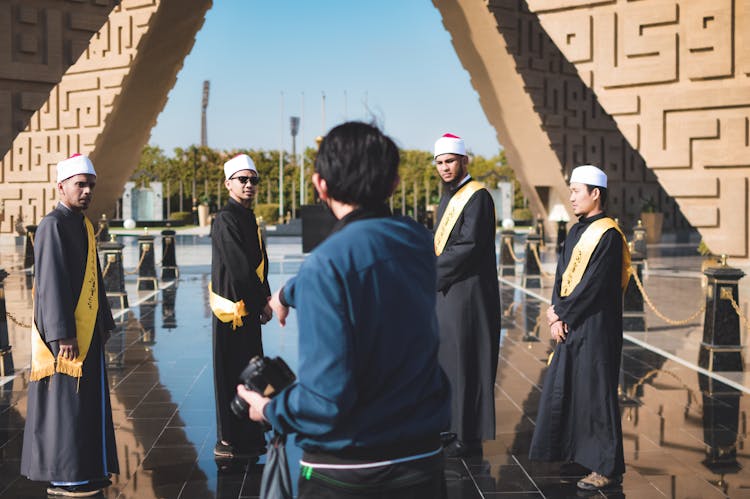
260, 270
579, 258
42, 361
453, 211
226, 310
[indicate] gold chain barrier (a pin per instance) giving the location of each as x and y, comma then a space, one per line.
167, 242
535, 252
663, 317
106, 269
140, 262
16, 321
737, 309
513, 253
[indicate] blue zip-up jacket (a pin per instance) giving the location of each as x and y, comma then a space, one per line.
368, 341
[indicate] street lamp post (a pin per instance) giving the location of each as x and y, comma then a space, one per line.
194, 157
294, 129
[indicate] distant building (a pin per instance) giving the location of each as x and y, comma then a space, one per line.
502, 194
142, 203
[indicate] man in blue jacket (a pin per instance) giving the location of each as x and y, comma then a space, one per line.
371, 398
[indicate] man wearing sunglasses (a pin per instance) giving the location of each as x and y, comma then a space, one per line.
239, 294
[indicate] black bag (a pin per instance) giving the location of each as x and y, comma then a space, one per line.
276, 482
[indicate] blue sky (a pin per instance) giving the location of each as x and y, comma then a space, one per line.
391, 60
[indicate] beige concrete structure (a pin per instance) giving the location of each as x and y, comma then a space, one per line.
105, 104
654, 91
39, 41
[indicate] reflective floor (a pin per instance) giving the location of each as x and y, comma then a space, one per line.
684, 433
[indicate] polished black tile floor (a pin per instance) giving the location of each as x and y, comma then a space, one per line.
684, 433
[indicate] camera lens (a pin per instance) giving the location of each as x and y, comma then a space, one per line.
239, 407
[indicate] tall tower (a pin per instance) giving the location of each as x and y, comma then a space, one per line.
204, 105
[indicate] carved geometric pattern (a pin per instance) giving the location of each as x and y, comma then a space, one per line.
104, 105
571, 122
38, 43
675, 76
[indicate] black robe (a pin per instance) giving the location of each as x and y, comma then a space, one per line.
468, 311
69, 436
579, 415
236, 253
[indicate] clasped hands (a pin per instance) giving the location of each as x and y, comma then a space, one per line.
558, 329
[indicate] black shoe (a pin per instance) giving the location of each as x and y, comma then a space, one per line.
460, 448
594, 482
84, 490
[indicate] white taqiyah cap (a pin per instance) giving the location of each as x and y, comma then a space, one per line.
590, 175
450, 144
77, 164
238, 163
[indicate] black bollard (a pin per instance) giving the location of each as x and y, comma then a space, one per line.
532, 274
633, 315
721, 349
6, 357
639, 241
540, 230
146, 266
507, 263
103, 231
113, 273
562, 233
28, 253
169, 270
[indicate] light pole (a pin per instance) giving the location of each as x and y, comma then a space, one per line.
194, 158
294, 129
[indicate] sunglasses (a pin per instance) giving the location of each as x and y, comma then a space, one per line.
244, 180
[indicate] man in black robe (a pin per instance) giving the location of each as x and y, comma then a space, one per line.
69, 438
239, 299
579, 417
468, 301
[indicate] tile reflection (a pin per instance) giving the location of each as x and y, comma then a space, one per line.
684, 433
168, 314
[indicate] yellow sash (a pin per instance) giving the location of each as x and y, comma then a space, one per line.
453, 211
579, 259
261, 270
42, 361
226, 310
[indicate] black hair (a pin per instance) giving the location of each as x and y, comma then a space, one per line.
359, 164
602, 194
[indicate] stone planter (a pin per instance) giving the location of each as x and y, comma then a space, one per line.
202, 215
653, 223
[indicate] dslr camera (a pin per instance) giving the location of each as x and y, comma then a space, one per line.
265, 376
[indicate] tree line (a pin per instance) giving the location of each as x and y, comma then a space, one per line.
419, 190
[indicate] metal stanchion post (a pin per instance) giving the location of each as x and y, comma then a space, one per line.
28, 253
146, 265
720, 349
532, 275
113, 273
507, 263
6, 357
169, 270
103, 229
633, 315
